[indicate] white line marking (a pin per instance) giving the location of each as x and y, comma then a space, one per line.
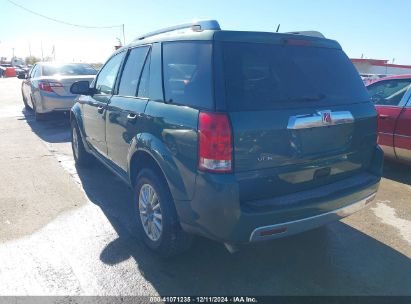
388, 216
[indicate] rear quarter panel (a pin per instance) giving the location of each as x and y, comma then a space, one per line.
170, 137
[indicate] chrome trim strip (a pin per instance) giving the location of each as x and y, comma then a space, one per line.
400, 135
385, 133
308, 223
315, 120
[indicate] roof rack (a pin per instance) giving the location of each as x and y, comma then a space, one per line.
308, 33
196, 26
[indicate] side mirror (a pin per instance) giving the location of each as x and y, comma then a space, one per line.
81, 88
22, 76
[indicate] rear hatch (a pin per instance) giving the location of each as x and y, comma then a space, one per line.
300, 115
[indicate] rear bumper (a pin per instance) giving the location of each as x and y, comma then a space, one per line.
298, 226
216, 211
52, 102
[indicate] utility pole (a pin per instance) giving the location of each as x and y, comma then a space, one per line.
124, 36
13, 54
29, 48
42, 55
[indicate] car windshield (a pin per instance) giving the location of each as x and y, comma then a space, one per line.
263, 76
68, 70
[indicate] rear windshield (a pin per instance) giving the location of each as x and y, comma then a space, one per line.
264, 76
68, 70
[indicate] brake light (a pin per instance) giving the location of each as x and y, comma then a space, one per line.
215, 146
297, 42
49, 85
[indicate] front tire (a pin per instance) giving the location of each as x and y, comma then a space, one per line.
81, 157
156, 217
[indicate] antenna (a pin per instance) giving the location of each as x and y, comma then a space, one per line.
278, 28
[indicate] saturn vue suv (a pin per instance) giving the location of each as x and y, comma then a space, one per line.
232, 135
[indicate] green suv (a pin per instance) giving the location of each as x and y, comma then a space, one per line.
236, 136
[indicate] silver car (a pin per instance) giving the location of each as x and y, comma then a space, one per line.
47, 86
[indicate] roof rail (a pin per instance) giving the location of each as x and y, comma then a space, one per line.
196, 26
308, 33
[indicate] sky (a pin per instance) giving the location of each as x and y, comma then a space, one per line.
377, 29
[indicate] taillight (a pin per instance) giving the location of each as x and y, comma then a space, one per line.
49, 85
215, 146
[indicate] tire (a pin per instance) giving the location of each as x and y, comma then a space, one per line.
171, 240
26, 105
81, 157
38, 116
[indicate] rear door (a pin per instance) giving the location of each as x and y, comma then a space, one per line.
94, 107
402, 134
126, 107
300, 115
388, 97
26, 86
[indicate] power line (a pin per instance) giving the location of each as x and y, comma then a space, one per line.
63, 22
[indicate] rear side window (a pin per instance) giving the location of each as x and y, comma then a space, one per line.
263, 76
143, 87
388, 92
131, 72
187, 73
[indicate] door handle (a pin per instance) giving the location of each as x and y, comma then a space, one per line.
383, 116
100, 109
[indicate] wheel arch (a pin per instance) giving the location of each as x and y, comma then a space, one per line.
75, 116
148, 150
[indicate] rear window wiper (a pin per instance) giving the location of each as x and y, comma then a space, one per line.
308, 98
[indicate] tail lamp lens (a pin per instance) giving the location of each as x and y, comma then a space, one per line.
215, 145
49, 85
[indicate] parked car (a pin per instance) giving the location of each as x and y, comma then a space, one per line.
21, 70
236, 136
392, 98
47, 86
7, 70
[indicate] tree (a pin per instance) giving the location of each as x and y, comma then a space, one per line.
31, 60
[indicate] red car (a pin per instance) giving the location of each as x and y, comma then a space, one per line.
392, 98
7, 70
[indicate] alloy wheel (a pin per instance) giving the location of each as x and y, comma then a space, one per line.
150, 212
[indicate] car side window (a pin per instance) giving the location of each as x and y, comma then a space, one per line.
187, 73
107, 77
32, 71
37, 72
143, 87
389, 92
132, 71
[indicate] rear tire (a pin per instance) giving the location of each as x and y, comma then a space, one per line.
159, 217
38, 116
26, 105
81, 157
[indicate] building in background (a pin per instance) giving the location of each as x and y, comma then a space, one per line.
379, 67
15, 61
